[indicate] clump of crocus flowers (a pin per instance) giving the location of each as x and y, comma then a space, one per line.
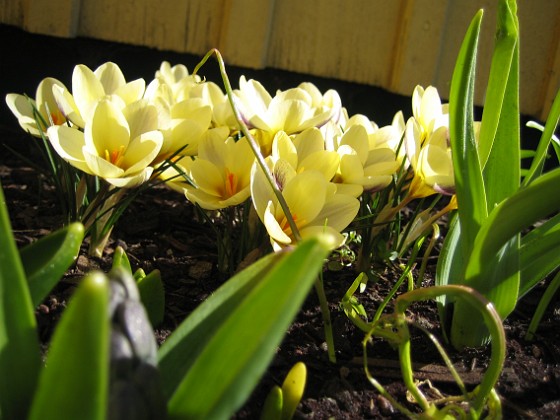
181, 130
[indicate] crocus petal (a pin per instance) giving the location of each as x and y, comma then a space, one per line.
111, 77
273, 227
68, 142
338, 212
305, 195
132, 181
323, 161
86, 89
108, 130
309, 141
141, 151
284, 148
412, 139
131, 91
357, 138
207, 177
22, 108
67, 105
141, 117
335, 239
101, 167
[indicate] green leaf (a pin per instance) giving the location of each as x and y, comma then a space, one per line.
505, 47
547, 137
521, 210
272, 408
152, 295
499, 280
120, 259
539, 253
469, 184
502, 171
239, 350
180, 350
74, 383
46, 260
19, 344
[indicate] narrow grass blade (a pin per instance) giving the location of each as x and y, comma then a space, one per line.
46, 260
239, 351
19, 344
74, 383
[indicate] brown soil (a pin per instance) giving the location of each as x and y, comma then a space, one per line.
161, 232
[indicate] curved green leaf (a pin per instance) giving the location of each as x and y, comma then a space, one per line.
74, 383
539, 254
180, 350
521, 210
236, 355
19, 344
46, 260
152, 295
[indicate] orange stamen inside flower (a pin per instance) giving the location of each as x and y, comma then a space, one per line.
231, 183
115, 156
286, 226
57, 118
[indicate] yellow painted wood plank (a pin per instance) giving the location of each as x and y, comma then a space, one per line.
417, 45
186, 26
539, 55
11, 12
245, 32
539, 22
349, 40
52, 17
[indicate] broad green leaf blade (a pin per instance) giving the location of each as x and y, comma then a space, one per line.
521, 210
469, 184
240, 350
19, 344
74, 383
450, 270
506, 43
46, 260
152, 295
539, 254
180, 350
502, 171
499, 284
546, 138
499, 280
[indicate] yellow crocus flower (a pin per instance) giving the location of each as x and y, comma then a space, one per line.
220, 173
315, 206
117, 145
45, 103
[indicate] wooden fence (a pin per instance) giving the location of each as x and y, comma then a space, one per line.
394, 44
